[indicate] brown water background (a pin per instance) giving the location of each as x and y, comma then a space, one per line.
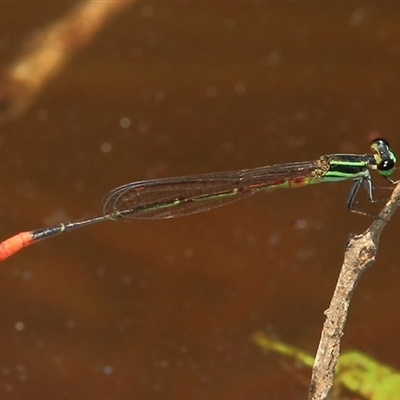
165, 309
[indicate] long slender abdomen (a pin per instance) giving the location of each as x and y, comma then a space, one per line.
15, 243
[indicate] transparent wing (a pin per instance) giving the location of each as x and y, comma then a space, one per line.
173, 197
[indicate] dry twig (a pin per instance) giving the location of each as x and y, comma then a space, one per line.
360, 254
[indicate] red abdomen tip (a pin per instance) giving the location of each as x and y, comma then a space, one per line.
14, 244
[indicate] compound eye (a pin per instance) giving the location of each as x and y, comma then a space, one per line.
386, 165
380, 142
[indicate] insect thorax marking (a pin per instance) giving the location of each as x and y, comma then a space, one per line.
322, 167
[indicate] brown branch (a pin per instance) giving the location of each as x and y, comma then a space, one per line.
360, 254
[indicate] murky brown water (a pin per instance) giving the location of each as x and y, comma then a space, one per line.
164, 310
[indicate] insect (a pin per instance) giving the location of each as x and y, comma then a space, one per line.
174, 197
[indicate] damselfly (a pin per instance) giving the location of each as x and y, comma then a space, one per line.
173, 197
